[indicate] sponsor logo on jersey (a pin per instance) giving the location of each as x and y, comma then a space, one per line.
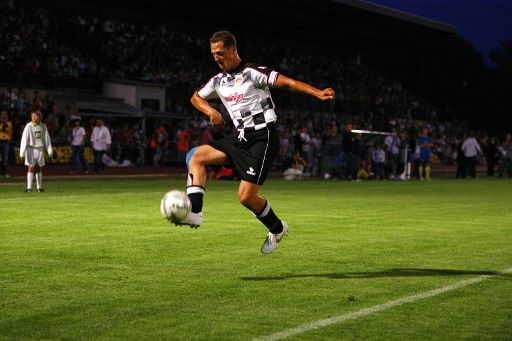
251, 171
236, 97
239, 79
227, 82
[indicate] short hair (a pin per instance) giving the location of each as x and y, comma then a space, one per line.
227, 38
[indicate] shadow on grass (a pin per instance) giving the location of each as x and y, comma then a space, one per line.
385, 273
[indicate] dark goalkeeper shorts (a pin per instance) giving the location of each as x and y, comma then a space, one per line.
253, 154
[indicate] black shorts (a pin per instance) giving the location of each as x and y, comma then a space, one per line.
254, 157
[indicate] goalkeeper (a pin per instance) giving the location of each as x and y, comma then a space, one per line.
35, 141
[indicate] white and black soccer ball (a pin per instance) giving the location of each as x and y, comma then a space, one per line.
175, 206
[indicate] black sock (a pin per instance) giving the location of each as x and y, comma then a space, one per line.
195, 194
269, 219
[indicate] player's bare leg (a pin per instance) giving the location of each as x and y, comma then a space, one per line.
197, 160
30, 178
249, 197
38, 172
202, 156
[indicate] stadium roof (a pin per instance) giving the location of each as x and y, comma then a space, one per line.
399, 15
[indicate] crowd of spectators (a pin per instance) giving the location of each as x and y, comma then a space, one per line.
53, 48
384, 156
318, 137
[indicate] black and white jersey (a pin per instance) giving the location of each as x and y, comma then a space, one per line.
245, 94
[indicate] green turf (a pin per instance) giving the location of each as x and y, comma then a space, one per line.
91, 260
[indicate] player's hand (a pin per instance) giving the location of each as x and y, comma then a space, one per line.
326, 94
216, 118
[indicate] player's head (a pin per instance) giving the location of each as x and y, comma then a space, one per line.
425, 131
3, 116
36, 116
224, 51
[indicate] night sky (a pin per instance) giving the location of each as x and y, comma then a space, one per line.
483, 22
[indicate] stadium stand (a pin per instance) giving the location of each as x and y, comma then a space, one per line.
55, 59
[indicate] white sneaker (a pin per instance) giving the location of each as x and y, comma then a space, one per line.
192, 219
272, 241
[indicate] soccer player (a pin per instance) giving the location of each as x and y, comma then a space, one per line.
34, 141
425, 143
243, 88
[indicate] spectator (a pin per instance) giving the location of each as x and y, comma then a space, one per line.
460, 159
101, 141
140, 142
393, 155
350, 149
491, 155
77, 146
159, 143
37, 104
471, 150
506, 150
296, 169
5, 142
183, 144
307, 150
378, 160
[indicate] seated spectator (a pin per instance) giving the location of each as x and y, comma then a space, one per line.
296, 169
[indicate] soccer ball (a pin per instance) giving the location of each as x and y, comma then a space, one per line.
175, 206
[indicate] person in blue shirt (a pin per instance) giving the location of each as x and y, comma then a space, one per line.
425, 143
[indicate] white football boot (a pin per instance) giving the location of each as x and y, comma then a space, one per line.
192, 219
272, 241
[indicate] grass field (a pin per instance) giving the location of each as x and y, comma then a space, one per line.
94, 260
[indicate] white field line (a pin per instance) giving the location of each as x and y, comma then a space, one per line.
375, 309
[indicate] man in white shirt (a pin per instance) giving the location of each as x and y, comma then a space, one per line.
101, 142
393, 142
77, 147
471, 150
34, 141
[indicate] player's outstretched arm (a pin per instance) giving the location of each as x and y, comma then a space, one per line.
202, 105
288, 83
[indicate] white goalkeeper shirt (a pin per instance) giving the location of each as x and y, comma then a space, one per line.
35, 136
245, 92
